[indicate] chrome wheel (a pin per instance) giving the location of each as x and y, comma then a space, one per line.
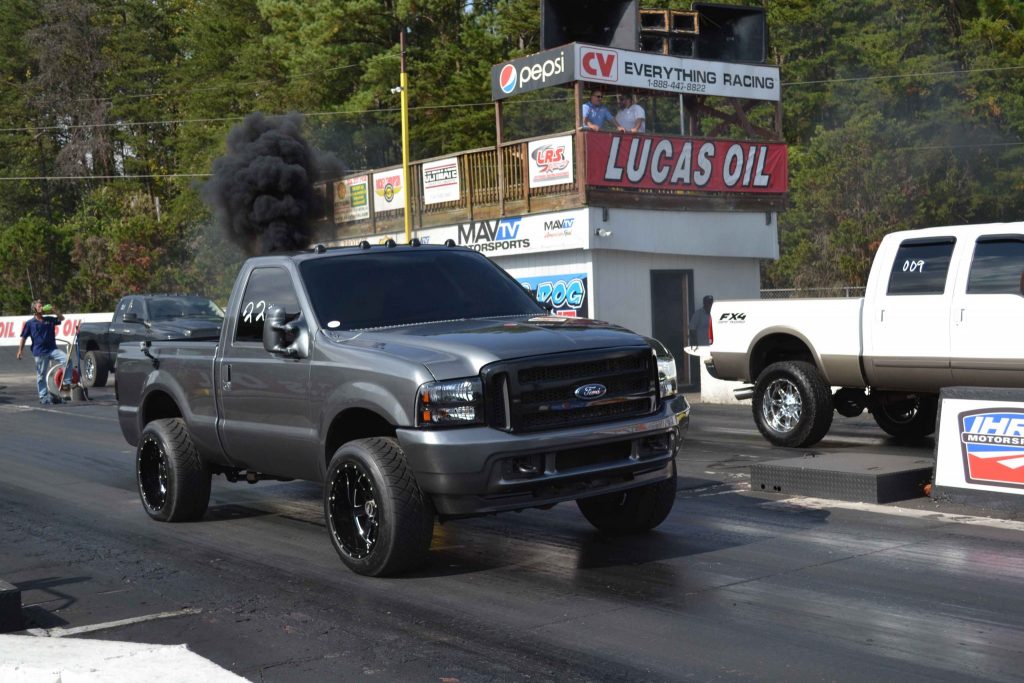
354, 511
89, 369
783, 406
152, 474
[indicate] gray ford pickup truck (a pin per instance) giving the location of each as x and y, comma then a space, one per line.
414, 382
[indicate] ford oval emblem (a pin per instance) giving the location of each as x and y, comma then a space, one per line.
589, 392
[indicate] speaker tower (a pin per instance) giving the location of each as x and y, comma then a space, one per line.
610, 23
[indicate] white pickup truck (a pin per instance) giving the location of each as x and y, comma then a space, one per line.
942, 307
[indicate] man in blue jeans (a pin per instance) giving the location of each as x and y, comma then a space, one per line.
43, 331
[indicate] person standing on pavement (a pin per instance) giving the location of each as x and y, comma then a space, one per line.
700, 322
631, 117
43, 331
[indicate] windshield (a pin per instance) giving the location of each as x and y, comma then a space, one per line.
379, 289
173, 307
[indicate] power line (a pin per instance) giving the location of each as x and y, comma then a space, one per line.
954, 72
385, 110
221, 119
355, 171
134, 176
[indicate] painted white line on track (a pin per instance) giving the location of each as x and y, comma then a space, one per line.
867, 440
61, 632
931, 515
56, 411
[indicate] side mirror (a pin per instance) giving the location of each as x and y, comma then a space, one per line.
280, 337
132, 318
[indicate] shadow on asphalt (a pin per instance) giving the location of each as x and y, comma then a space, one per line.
37, 616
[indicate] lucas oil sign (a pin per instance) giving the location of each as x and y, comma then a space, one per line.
673, 165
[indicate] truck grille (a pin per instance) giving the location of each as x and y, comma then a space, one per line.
538, 394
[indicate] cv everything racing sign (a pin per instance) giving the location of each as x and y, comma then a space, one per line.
981, 445
632, 69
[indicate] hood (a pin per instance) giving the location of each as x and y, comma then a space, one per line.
459, 348
188, 328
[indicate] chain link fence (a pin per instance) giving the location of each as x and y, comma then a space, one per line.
813, 293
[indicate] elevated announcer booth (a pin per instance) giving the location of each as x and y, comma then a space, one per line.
633, 228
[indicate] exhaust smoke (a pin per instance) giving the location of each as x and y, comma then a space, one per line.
262, 188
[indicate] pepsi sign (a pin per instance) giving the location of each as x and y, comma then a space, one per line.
551, 67
507, 79
992, 442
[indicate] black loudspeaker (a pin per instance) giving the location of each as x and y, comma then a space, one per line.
730, 33
611, 23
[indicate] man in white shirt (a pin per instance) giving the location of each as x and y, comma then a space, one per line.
631, 117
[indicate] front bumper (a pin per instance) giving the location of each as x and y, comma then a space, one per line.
479, 470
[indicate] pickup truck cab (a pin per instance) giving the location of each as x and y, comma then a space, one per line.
942, 307
140, 317
413, 382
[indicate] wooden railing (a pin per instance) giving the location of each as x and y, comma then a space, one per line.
487, 190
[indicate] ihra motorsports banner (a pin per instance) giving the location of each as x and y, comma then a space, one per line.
647, 162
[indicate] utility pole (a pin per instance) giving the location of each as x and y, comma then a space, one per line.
403, 83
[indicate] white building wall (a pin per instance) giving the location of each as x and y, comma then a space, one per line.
621, 286
694, 233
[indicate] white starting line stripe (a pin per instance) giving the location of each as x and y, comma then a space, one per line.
931, 515
60, 632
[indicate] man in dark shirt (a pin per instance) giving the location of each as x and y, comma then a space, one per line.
43, 331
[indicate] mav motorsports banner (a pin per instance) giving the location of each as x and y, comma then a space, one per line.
650, 162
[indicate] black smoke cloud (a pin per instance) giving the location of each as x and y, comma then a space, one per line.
262, 188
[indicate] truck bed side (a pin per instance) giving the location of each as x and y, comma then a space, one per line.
178, 374
751, 334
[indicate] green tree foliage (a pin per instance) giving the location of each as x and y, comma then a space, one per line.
897, 115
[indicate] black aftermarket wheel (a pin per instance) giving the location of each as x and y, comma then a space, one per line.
173, 480
378, 519
792, 404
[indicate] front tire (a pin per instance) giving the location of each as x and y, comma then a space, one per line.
379, 521
173, 480
792, 404
94, 371
905, 416
633, 511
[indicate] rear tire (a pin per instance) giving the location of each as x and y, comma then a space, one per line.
633, 511
792, 404
173, 480
94, 371
905, 416
379, 520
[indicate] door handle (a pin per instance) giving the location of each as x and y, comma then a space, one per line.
227, 374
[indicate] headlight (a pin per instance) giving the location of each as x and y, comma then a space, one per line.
667, 376
452, 402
